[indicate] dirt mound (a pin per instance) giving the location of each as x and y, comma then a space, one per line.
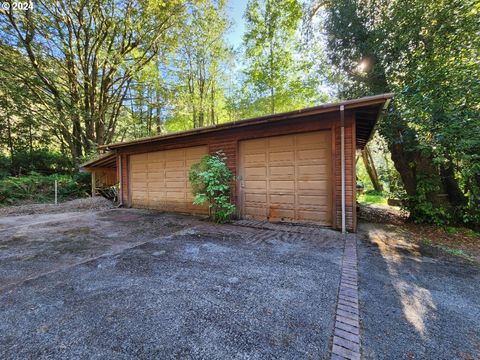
91, 203
382, 214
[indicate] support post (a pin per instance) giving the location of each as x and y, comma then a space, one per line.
56, 190
342, 157
93, 183
120, 175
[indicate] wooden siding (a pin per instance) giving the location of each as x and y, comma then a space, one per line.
228, 141
159, 180
287, 178
104, 177
350, 176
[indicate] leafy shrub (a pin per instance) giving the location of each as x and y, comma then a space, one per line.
38, 188
211, 180
40, 160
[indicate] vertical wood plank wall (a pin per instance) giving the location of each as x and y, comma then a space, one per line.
350, 176
228, 140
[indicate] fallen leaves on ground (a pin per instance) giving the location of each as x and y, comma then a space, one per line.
450, 241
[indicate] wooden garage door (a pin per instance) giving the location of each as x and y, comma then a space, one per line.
159, 180
287, 178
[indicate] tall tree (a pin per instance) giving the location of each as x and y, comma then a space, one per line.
201, 61
422, 51
84, 56
275, 71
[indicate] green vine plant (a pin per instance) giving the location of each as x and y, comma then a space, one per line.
211, 183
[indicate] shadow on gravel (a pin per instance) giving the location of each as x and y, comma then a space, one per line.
414, 306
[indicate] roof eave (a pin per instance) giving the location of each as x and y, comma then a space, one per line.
325, 108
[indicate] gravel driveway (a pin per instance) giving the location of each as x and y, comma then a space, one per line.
127, 283
414, 306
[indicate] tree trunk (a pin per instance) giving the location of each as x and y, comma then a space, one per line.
9, 135
159, 114
455, 194
371, 170
212, 104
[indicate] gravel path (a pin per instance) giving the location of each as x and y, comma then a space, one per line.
414, 306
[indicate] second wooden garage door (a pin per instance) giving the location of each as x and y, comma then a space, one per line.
287, 178
159, 180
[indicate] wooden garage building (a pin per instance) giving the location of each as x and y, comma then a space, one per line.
297, 166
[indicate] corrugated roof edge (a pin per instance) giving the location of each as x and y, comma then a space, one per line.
348, 104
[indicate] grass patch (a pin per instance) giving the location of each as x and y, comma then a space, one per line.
372, 197
455, 252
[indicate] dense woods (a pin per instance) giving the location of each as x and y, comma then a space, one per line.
76, 74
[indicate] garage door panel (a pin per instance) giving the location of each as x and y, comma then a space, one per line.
156, 157
159, 180
175, 174
255, 158
287, 178
156, 195
256, 212
281, 156
138, 160
175, 195
255, 171
278, 213
140, 193
313, 169
140, 185
175, 164
313, 185
156, 166
255, 145
140, 168
189, 163
312, 154
313, 215
155, 185
279, 170
156, 177
256, 185
139, 176
256, 198
282, 185
312, 200
281, 141
175, 184
282, 199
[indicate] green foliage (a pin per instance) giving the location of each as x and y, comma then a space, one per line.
5, 166
372, 197
42, 161
211, 183
423, 51
36, 188
279, 74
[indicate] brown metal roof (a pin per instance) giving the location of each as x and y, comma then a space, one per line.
372, 107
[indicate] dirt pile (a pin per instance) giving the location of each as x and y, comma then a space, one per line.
91, 203
382, 214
